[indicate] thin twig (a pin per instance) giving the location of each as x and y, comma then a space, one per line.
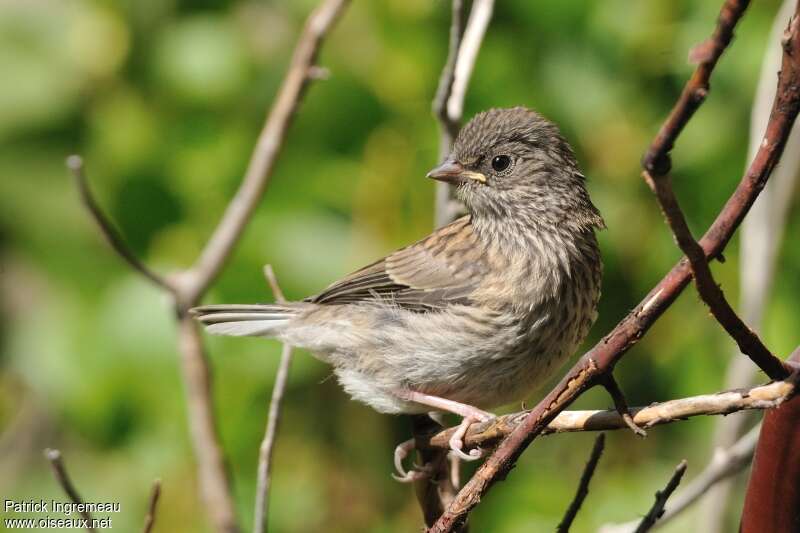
448, 104
656, 164
620, 403
723, 465
189, 286
106, 227
709, 290
662, 496
479, 17
603, 356
761, 397
265, 452
150, 518
270, 142
583, 485
60, 472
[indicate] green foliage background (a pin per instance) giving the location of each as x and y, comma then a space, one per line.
164, 98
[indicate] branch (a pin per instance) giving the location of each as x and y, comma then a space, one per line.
150, 518
709, 291
479, 17
448, 104
60, 472
268, 444
661, 499
268, 146
583, 485
188, 287
724, 464
656, 160
448, 127
602, 358
722, 403
656, 163
106, 227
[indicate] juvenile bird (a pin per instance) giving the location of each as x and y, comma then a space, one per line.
479, 312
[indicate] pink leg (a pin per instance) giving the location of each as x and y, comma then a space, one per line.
443, 404
468, 412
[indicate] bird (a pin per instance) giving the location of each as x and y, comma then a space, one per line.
477, 314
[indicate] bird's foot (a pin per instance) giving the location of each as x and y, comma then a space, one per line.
417, 473
457, 440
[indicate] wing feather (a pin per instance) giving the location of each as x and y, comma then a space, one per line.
438, 271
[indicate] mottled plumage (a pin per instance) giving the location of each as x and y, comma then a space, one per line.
480, 311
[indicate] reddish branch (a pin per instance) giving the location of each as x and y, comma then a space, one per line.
706, 54
656, 163
601, 359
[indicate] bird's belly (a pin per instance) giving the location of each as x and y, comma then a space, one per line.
482, 359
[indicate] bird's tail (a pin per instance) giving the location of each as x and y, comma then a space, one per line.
260, 320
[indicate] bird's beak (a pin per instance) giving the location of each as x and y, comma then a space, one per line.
454, 172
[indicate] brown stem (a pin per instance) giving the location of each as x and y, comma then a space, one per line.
662, 496
60, 472
270, 141
583, 485
150, 517
265, 452
706, 54
189, 286
106, 227
602, 358
213, 476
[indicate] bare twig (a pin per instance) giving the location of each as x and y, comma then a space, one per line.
620, 403
479, 17
722, 403
583, 485
656, 160
449, 126
106, 227
723, 465
265, 452
602, 358
60, 472
709, 291
265, 153
662, 496
448, 104
189, 286
656, 165
150, 518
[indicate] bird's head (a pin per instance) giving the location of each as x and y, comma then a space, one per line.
514, 162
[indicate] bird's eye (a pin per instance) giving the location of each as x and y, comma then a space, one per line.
500, 162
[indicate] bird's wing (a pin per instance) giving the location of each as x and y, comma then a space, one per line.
442, 269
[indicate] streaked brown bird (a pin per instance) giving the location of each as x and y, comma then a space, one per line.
476, 314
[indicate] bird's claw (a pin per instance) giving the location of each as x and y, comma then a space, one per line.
457, 439
417, 473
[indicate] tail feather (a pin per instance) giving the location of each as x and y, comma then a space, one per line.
247, 320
